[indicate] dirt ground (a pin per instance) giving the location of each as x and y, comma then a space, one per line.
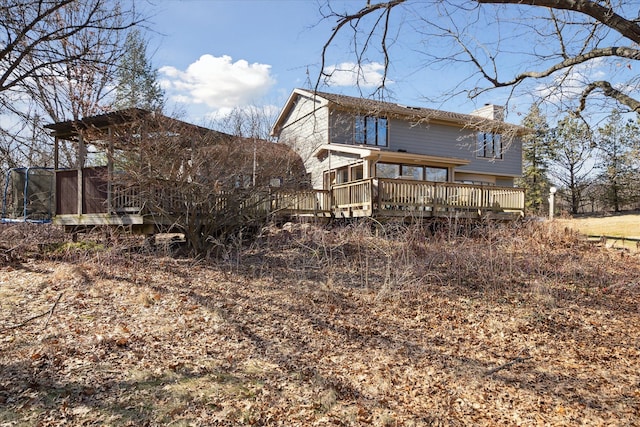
321, 329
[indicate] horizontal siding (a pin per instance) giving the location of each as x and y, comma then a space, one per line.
436, 140
475, 177
449, 141
504, 182
305, 130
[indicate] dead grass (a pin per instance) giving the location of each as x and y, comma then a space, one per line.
615, 225
394, 325
627, 225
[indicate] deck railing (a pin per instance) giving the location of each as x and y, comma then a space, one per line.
125, 199
353, 198
410, 195
397, 195
301, 202
373, 196
361, 197
129, 199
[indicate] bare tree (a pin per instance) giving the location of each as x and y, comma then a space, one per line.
249, 122
510, 44
572, 161
56, 63
207, 184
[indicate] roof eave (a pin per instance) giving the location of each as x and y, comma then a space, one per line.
374, 153
278, 124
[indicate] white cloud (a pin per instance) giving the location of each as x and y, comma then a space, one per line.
569, 84
352, 74
217, 82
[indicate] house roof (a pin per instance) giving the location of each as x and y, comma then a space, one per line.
390, 109
71, 129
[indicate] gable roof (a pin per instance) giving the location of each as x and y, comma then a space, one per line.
394, 110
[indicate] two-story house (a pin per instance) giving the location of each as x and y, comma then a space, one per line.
344, 139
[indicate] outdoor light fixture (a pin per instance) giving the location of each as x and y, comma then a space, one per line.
552, 194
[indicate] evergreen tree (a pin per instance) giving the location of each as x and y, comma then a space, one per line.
537, 150
137, 80
618, 173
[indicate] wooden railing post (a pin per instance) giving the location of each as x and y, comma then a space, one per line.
436, 196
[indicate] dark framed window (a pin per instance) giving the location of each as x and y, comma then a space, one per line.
371, 130
436, 174
414, 172
357, 172
342, 175
387, 170
489, 145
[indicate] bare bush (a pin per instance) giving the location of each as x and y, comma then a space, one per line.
21, 240
397, 260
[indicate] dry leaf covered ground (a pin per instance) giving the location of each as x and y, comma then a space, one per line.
308, 326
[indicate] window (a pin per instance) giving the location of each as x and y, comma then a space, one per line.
357, 172
489, 145
436, 174
416, 172
413, 172
387, 170
371, 130
329, 179
342, 175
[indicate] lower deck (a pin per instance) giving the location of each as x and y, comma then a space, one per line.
377, 198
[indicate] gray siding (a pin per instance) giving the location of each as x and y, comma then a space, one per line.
504, 182
436, 140
449, 141
305, 130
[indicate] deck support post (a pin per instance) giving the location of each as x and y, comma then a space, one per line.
81, 156
436, 198
56, 153
110, 171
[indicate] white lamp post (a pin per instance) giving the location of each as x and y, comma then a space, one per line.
552, 196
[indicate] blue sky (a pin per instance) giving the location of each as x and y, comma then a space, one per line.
216, 55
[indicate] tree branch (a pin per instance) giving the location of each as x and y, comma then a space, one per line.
48, 312
606, 15
610, 92
507, 365
617, 51
349, 18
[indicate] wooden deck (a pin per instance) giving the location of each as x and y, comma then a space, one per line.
402, 198
380, 198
